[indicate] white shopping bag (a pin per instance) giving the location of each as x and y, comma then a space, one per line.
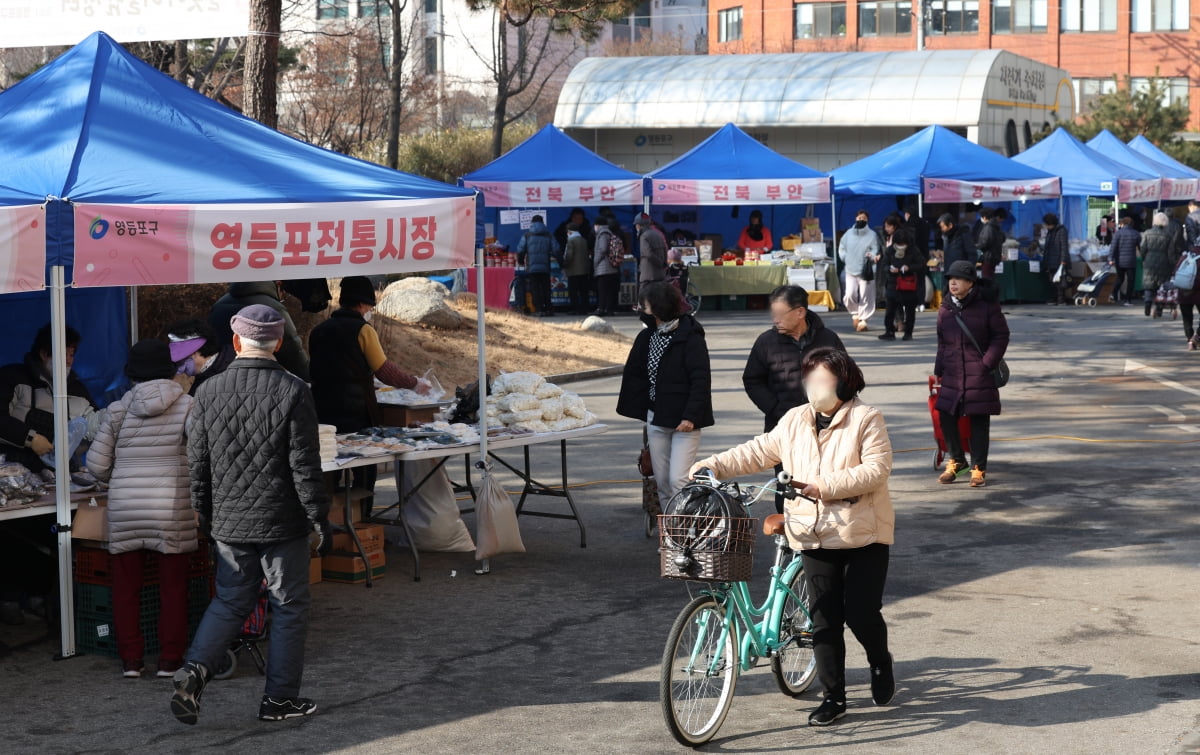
496, 529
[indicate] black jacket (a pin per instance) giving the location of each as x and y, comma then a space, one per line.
772, 374
914, 260
254, 455
343, 385
26, 408
241, 295
683, 387
219, 364
1057, 250
958, 245
991, 243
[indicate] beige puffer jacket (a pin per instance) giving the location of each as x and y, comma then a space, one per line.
850, 463
141, 449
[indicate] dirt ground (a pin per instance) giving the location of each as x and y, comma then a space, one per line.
514, 342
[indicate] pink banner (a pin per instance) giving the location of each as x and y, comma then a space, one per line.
1148, 190
559, 193
137, 245
1180, 189
22, 248
951, 190
756, 191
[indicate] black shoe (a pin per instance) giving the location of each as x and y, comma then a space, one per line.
189, 684
883, 683
280, 708
829, 711
887, 336
907, 337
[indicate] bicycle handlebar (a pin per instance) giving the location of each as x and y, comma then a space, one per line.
790, 487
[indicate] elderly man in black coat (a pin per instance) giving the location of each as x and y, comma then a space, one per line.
772, 374
255, 468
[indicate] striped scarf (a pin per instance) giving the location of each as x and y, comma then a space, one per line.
658, 344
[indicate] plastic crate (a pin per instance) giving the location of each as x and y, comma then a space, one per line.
95, 632
93, 566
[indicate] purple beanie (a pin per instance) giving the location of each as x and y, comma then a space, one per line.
258, 322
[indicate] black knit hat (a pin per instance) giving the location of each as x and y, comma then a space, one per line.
961, 269
149, 359
357, 289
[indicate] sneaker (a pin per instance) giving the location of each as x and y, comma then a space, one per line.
828, 712
167, 668
1191, 345
280, 708
883, 683
854, 322
954, 470
907, 337
133, 669
887, 336
861, 326
189, 685
978, 478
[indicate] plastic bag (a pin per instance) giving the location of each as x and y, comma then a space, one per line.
496, 530
548, 390
573, 405
552, 409
512, 418
517, 382
432, 512
519, 402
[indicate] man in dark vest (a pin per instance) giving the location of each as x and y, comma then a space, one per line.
346, 357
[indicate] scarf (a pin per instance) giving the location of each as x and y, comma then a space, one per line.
658, 345
755, 232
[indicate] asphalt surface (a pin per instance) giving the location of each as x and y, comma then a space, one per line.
1053, 611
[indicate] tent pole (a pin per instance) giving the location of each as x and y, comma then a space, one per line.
62, 476
133, 315
481, 343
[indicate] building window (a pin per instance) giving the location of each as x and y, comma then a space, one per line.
1089, 15
1160, 15
431, 6
729, 24
819, 20
373, 8
1011, 147
1087, 90
1019, 16
885, 19
431, 56
333, 9
953, 17
1176, 89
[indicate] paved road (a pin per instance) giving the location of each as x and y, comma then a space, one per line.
1054, 611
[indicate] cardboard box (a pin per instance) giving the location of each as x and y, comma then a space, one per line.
337, 509
371, 536
349, 568
314, 569
391, 415
91, 522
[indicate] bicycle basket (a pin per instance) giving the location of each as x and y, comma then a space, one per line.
706, 548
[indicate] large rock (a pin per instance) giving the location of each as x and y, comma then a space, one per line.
596, 325
420, 307
418, 284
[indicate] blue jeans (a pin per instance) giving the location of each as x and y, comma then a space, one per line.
240, 571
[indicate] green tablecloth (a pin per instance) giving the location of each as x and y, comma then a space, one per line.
732, 280
1018, 284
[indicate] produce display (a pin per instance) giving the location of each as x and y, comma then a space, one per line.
525, 402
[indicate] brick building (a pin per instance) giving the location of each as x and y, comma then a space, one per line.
1092, 39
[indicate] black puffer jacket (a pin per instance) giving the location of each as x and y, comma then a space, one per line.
772, 375
683, 388
254, 455
241, 295
958, 246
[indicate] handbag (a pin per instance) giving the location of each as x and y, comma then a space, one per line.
907, 282
644, 465
868, 269
1001, 374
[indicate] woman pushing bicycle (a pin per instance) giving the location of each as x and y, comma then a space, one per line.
837, 450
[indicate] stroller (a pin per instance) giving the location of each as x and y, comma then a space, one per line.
254, 631
1093, 287
964, 426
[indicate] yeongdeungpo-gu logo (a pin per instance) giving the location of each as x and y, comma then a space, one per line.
98, 228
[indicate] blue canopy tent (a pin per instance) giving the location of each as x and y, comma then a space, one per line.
148, 182
553, 173
1177, 181
1085, 173
1144, 146
732, 169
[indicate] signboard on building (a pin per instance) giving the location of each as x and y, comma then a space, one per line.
51, 23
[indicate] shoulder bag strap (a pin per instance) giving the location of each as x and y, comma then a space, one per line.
970, 336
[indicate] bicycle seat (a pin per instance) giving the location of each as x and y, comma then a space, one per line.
773, 525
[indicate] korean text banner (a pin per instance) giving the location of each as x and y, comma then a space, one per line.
49, 23
952, 190
22, 249
753, 191
138, 245
1147, 190
558, 193
1180, 189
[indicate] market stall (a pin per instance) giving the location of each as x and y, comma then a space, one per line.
148, 182
1178, 182
1143, 146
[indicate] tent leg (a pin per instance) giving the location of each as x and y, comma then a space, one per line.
482, 465
133, 315
62, 476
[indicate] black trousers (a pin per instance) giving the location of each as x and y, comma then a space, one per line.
846, 588
607, 290
1186, 314
579, 288
539, 286
981, 430
1060, 288
901, 302
1125, 278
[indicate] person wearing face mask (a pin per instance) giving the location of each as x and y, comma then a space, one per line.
902, 264
667, 383
270, 293
838, 452
964, 368
755, 237
859, 252
346, 358
772, 376
197, 354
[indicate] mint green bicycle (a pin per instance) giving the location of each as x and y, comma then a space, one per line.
721, 632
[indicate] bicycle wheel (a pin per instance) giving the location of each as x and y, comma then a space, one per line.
699, 672
795, 667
